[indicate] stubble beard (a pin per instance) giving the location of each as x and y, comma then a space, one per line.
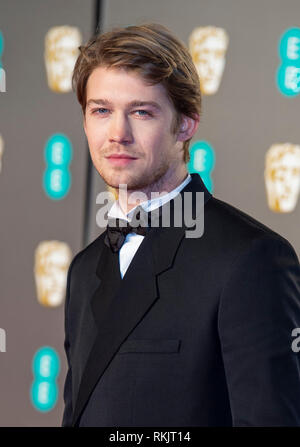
144, 182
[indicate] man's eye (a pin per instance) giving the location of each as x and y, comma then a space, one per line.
100, 111
142, 112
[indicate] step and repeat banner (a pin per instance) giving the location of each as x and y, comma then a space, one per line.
247, 151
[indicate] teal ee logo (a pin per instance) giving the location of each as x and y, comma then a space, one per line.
57, 177
288, 73
45, 368
202, 162
2, 71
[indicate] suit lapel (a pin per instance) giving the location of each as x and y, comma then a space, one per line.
117, 312
119, 305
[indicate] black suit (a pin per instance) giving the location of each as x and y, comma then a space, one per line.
198, 333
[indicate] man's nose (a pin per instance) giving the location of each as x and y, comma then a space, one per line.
120, 130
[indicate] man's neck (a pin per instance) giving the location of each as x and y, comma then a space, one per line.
160, 187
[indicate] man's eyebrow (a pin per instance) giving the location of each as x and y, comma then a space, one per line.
145, 103
98, 101
135, 103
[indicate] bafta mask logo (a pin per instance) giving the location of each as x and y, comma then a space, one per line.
61, 52
282, 177
208, 46
1, 151
52, 260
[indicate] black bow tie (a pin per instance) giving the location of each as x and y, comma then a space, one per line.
117, 230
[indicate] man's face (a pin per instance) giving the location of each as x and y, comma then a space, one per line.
125, 116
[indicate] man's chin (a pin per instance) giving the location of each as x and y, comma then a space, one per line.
116, 180
132, 181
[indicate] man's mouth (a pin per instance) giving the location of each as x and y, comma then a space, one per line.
120, 159
120, 156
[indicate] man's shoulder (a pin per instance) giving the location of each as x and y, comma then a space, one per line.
235, 227
231, 215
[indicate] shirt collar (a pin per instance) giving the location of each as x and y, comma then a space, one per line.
149, 205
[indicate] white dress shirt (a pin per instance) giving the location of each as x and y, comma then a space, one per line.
133, 240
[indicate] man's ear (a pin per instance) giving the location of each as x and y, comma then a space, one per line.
188, 127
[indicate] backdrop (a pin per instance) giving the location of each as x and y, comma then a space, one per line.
48, 186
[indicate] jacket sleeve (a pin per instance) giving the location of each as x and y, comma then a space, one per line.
68, 409
259, 308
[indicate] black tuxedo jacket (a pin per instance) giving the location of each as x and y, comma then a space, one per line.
197, 333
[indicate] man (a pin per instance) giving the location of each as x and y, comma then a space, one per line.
163, 329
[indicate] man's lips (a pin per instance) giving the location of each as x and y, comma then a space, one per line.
118, 156
120, 159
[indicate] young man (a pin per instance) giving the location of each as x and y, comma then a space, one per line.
162, 329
